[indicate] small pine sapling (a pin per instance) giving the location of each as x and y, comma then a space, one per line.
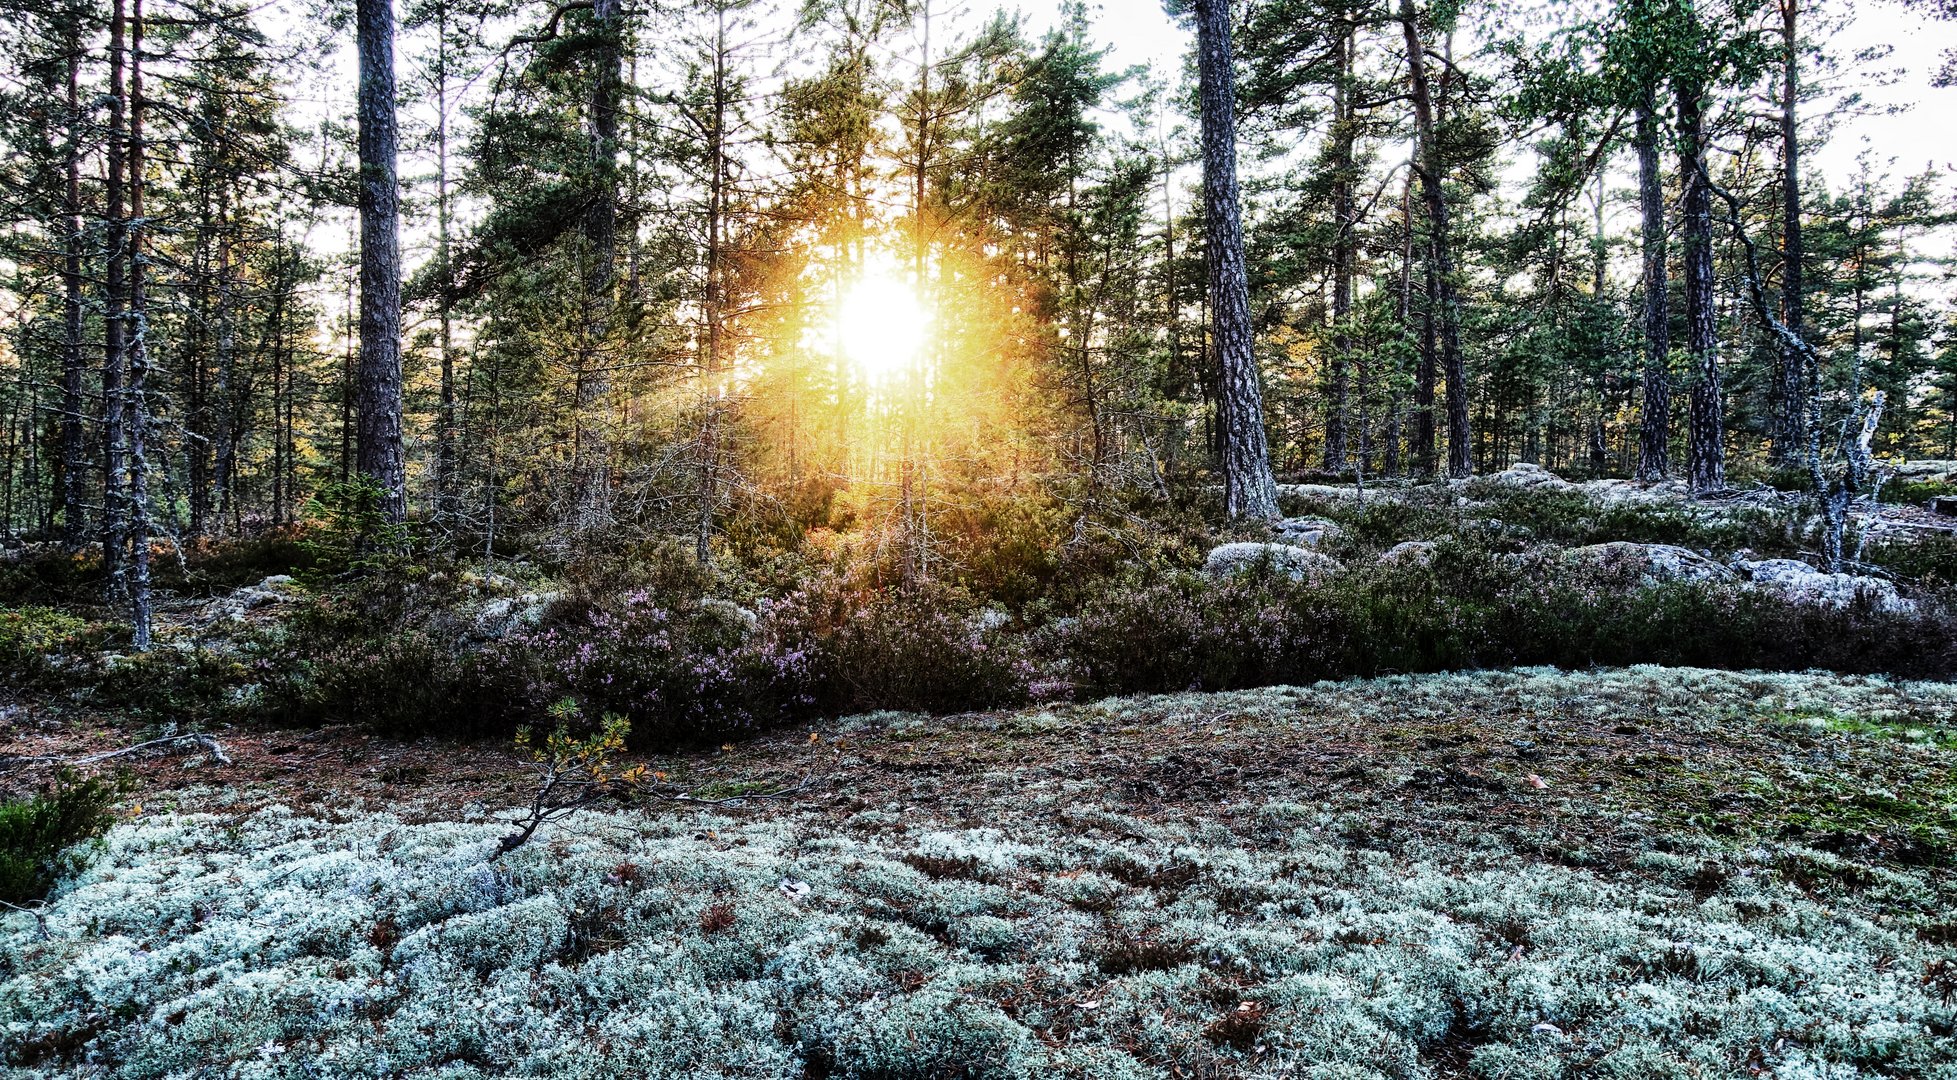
572, 772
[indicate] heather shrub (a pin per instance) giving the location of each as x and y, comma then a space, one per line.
1931, 560
43, 837
165, 683
49, 573
30, 638
1574, 519
677, 671
926, 648
1915, 492
393, 652
1472, 607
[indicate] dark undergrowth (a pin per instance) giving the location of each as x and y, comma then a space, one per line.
1026, 600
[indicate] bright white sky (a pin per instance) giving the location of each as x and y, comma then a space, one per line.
1919, 135
1907, 128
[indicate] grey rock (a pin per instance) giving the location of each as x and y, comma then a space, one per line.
1654, 562
748, 620
1308, 531
1298, 563
1410, 553
1803, 584
502, 615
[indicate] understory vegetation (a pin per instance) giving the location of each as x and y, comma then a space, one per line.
803, 625
1536, 874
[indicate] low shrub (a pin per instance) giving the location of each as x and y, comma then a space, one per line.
1931, 560
30, 638
1473, 607
406, 659
393, 652
166, 683
1915, 492
1573, 518
925, 648
50, 573
42, 836
677, 671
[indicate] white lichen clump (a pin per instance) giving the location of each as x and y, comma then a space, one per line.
1256, 943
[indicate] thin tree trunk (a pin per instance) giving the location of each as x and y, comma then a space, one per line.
1789, 438
115, 359
138, 408
1249, 489
591, 465
1447, 315
446, 434
716, 300
1706, 466
1654, 425
378, 447
224, 431
1337, 405
73, 441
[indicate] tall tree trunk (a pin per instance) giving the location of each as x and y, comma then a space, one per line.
591, 465
378, 449
715, 307
281, 379
115, 301
137, 412
1337, 405
226, 420
1789, 438
1706, 465
1447, 313
1654, 425
447, 452
73, 449
1249, 489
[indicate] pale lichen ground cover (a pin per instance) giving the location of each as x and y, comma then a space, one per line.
1052, 914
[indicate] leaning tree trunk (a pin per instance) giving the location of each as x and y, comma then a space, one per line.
377, 449
1249, 490
1654, 426
1706, 465
1790, 436
1447, 310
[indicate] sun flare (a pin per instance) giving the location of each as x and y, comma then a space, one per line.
881, 326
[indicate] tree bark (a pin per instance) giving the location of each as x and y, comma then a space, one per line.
1706, 464
447, 452
1249, 489
714, 309
591, 465
1654, 425
378, 450
115, 358
1337, 403
1789, 437
73, 444
1447, 314
137, 411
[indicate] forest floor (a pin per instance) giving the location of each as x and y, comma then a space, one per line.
1644, 872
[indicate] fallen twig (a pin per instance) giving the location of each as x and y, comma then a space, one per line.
40, 918
16, 762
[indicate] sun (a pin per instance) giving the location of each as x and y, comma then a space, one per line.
881, 326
